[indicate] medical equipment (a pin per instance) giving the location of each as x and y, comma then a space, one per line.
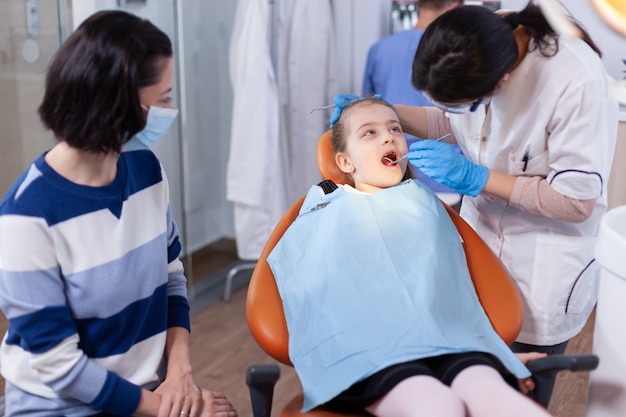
404, 156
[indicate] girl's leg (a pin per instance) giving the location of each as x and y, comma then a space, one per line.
418, 396
486, 394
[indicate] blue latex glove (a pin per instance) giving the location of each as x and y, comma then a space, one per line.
442, 163
342, 100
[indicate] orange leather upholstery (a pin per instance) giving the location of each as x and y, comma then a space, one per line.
264, 310
326, 160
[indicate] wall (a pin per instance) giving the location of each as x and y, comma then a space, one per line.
617, 180
22, 138
204, 30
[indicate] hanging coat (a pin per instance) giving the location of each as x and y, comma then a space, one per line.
255, 173
307, 79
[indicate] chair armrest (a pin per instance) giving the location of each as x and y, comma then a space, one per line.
555, 363
261, 380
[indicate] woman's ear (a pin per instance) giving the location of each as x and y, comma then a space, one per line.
504, 79
344, 163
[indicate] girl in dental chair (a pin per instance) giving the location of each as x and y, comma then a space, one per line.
380, 307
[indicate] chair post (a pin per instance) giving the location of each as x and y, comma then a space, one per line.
231, 276
261, 380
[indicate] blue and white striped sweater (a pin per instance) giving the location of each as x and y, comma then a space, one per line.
90, 281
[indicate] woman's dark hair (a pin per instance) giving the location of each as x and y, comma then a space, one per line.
91, 99
465, 52
340, 133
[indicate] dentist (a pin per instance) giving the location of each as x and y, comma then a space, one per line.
531, 113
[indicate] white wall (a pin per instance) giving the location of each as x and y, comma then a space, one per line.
205, 31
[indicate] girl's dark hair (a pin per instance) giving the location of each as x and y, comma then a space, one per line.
465, 52
340, 132
91, 99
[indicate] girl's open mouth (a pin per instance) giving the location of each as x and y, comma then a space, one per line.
390, 158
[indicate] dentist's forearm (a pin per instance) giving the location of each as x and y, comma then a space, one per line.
499, 185
413, 120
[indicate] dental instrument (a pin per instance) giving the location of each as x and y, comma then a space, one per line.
405, 155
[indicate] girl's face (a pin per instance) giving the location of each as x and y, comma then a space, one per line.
374, 140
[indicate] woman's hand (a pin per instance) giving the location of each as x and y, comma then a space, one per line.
527, 384
180, 397
217, 405
445, 165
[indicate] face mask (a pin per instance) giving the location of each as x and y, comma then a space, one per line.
158, 123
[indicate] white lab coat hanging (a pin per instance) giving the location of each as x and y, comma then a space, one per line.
274, 134
255, 173
307, 79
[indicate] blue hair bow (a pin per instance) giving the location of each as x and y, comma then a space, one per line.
343, 100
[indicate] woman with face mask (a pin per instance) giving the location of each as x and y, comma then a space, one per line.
90, 276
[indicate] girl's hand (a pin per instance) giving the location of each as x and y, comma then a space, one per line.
180, 397
217, 405
527, 384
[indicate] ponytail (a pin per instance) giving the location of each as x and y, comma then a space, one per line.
543, 36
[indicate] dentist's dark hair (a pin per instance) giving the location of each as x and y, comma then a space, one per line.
91, 98
465, 52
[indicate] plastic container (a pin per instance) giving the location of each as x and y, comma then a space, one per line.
607, 384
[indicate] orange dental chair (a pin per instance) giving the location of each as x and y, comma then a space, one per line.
264, 310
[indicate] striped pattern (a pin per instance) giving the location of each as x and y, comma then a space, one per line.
90, 281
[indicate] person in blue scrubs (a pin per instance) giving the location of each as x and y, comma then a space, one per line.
389, 66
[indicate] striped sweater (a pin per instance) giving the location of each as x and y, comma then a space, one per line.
90, 281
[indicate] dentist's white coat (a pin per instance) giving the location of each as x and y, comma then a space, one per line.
273, 134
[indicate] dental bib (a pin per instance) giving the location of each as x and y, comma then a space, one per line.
372, 280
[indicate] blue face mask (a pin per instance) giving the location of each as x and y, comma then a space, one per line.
158, 123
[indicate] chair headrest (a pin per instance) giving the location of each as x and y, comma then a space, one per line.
326, 160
